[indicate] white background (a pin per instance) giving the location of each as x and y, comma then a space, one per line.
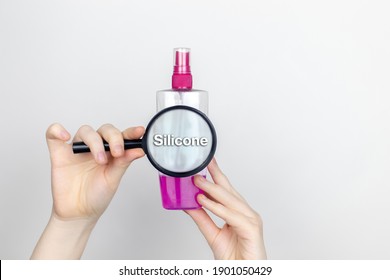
299, 95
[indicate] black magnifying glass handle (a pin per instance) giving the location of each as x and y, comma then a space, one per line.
81, 147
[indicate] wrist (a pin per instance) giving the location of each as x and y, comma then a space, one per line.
78, 224
64, 238
72, 230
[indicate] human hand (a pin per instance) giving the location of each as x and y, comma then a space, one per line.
241, 237
82, 186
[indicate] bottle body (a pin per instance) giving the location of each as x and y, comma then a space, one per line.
180, 193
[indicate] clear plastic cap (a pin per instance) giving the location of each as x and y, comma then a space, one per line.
181, 61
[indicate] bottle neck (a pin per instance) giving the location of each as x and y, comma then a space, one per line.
182, 81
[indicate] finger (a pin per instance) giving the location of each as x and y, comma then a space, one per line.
131, 134
231, 217
134, 132
132, 154
220, 178
217, 174
205, 224
114, 138
120, 164
56, 137
223, 196
246, 228
94, 141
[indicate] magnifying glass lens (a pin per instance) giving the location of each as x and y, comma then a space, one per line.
180, 141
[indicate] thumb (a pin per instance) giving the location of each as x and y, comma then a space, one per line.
56, 137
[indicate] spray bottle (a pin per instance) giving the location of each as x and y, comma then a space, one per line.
180, 193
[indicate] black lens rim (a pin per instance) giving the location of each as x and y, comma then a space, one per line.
195, 170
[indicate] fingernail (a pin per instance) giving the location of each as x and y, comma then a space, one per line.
197, 180
101, 156
141, 129
118, 149
64, 135
201, 197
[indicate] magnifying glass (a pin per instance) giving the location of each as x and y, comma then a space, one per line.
179, 141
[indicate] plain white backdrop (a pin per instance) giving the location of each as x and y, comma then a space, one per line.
299, 95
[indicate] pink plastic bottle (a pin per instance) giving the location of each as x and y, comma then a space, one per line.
180, 193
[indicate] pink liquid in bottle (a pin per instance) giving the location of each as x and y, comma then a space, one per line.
179, 193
